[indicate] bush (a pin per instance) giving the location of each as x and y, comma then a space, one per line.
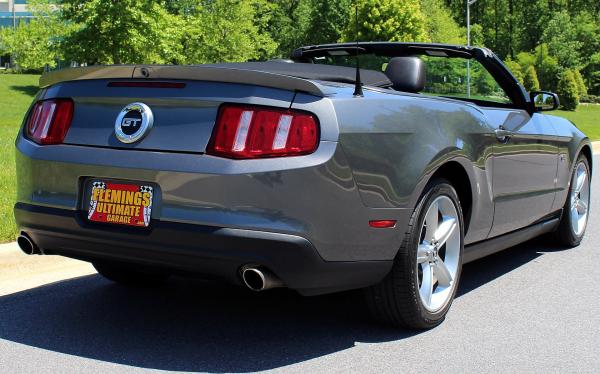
530, 80
484, 83
580, 83
568, 91
592, 99
515, 69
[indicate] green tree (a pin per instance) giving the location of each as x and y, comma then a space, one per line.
484, 83
387, 20
582, 89
440, 26
125, 31
567, 90
530, 80
560, 35
328, 19
515, 69
289, 24
226, 31
547, 67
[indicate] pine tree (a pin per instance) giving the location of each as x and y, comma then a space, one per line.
515, 69
567, 90
387, 20
530, 80
580, 83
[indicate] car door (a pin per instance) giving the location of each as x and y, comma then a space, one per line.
524, 168
524, 160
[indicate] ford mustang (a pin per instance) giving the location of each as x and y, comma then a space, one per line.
375, 166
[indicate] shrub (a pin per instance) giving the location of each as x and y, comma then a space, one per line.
530, 80
580, 83
567, 90
515, 69
592, 99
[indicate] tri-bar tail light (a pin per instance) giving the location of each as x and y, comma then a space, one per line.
246, 132
49, 121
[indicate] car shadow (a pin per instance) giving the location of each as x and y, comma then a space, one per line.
28, 90
193, 325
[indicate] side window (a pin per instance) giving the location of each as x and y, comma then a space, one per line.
448, 77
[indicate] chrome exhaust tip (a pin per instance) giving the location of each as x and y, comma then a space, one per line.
260, 279
27, 245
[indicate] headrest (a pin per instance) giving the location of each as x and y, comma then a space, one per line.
406, 73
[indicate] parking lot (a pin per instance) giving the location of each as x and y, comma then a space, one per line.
532, 308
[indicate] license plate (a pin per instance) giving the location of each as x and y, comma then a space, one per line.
120, 203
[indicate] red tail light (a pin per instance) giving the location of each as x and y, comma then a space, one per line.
255, 132
49, 121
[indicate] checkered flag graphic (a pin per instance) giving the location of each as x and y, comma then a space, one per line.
94, 203
147, 209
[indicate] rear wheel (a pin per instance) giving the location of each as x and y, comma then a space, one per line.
419, 290
575, 213
129, 274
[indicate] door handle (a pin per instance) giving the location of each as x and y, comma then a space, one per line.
503, 135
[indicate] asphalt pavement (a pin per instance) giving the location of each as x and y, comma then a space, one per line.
531, 308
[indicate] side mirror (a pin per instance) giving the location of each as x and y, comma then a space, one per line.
542, 101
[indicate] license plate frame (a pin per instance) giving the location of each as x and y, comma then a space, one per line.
120, 203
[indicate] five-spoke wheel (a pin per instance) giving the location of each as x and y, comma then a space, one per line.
576, 210
438, 253
418, 291
580, 198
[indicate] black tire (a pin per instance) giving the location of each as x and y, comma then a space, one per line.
396, 299
564, 233
130, 275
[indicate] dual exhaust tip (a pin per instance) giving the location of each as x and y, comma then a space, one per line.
258, 278
27, 245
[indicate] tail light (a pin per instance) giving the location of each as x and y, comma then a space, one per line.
255, 132
49, 121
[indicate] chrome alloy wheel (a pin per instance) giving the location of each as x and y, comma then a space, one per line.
438, 254
580, 199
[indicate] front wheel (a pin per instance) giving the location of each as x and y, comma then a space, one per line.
574, 219
418, 291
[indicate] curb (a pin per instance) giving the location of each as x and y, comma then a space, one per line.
596, 147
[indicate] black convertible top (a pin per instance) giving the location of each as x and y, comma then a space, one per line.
313, 71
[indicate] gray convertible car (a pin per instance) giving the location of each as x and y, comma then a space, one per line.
307, 173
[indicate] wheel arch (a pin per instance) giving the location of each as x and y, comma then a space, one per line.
458, 171
586, 150
455, 173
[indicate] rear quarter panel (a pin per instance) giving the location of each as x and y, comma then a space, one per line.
396, 142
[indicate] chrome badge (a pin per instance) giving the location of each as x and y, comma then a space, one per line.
134, 122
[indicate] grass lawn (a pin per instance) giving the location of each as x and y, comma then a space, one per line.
587, 119
16, 94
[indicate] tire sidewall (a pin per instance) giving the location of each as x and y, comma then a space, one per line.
436, 188
575, 239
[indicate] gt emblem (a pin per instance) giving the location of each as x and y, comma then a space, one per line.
133, 122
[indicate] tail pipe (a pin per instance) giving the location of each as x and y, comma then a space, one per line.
258, 278
27, 245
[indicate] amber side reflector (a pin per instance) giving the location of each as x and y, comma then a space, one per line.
147, 84
383, 224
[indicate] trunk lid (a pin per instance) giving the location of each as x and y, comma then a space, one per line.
184, 114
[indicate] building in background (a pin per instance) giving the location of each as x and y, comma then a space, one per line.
12, 12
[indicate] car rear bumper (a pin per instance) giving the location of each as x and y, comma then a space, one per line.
207, 250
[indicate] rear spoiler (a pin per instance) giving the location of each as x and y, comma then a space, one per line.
191, 72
